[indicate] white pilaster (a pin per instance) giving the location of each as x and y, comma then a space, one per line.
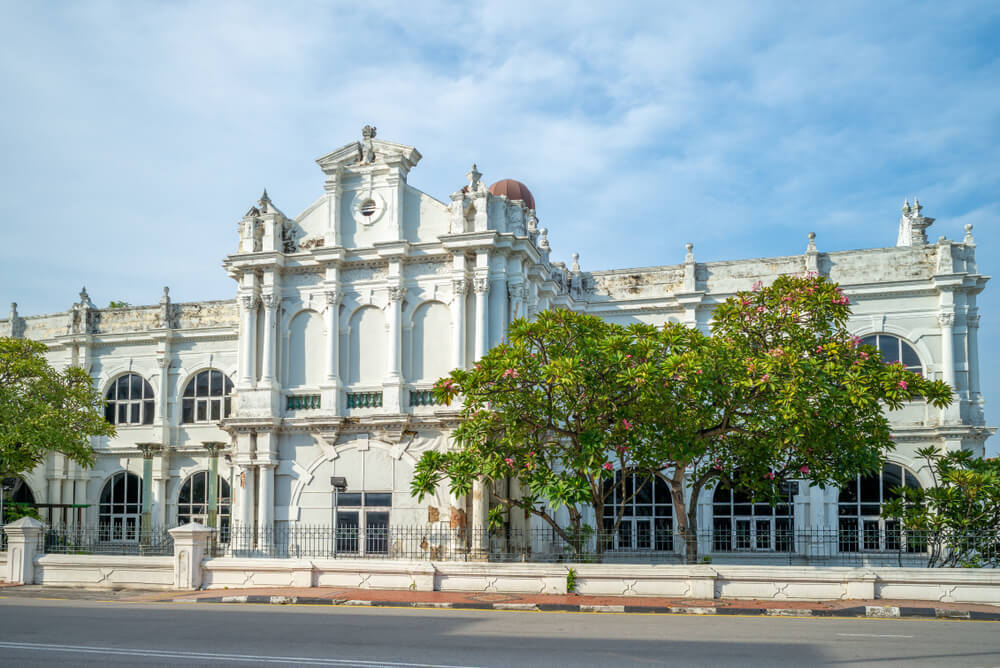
267, 349
248, 344
265, 500
394, 343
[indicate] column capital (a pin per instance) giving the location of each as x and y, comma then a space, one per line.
333, 296
481, 284
396, 293
946, 319
460, 286
149, 449
269, 300
249, 301
214, 447
972, 319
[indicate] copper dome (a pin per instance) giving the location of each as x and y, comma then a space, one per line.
514, 190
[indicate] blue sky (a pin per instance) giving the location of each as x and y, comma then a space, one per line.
135, 134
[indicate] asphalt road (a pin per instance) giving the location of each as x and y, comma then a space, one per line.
36, 632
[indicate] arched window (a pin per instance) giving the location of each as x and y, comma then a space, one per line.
862, 527
647, 523
16, 498
894, 349
741, 522
206, 397
129, 401
120, 510
192, 502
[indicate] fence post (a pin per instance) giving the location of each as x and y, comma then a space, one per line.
22, 544
191, 543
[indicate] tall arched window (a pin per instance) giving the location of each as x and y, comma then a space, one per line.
129, 401
121, 508
862, 527
17, 497
894, 349
192, 502
647, 522
206, 397
741, 522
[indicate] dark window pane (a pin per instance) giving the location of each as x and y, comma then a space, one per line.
123, 387
722, 510
228, 384
722, 538
378, 499
226, 408
109, 413
871, 509
742, 509
133, 417
189, 389
783, 510
187, 410
661, 492
910, 357
135, 386
202, 413
663, 537
377, 520
762, 509
892, 476
849, 493
147, 416
889, 347
185, 494
110, 395
848, 535
664, 509
722, 494
122, 413
201, 384
216, 409
645, 493
643, 535
198, 492
870, 341
870, 488
911, 481
352, 499
216, 385
644, 511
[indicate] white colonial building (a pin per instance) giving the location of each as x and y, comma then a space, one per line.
346, 314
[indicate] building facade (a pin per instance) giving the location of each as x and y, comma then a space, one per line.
345, 315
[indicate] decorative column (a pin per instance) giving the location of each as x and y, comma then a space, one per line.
248, 347
213, 447
265, 506
191, 545
972, 354
332, 336
947, 322
479, 534
244, 505
23, 537
460, 288
148, 450
395, 342
267, 353
482, 287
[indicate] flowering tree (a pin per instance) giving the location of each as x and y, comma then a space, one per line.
781, 390
553, 410
43, 410
959, 517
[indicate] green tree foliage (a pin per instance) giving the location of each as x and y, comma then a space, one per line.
958, 518
118, 304
780, 391
44, 410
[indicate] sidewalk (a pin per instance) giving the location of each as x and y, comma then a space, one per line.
532, 602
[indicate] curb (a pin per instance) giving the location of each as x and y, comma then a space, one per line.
870, 611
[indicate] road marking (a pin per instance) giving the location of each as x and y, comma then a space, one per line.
871, 635
246, 658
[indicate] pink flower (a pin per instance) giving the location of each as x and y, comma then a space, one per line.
628, 357
765, 378
902, 384
864, 355
761, 309
698, 371
608, 466
769, 475
510, 373
804, 470
531, 454
626, 424
509, 461
819, 349
757, 286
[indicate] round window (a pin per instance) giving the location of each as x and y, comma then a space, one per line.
368, 208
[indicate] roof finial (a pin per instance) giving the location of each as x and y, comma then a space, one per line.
906, 206
473, 176
543, 239
812, 242
576, 262
916, 206
968, 234
689, 255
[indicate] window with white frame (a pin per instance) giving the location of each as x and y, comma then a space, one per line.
363, 522
120, 511
129, 400
862, 527
192, 502
741, 522
647, 514
206, 397
894, 349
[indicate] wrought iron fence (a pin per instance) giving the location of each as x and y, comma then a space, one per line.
107, 540
809, 547
3, 539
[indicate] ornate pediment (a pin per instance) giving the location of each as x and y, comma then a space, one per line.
369, 151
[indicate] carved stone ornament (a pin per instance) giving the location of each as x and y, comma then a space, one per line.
249, 301
460, 286
332, 297
946, 319
366, 150
972, 320
396, 293
269, 301
482, 285
518, 291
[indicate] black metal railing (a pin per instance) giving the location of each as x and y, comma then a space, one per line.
107, 540
809, 547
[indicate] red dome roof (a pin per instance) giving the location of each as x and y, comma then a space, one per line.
514, 190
